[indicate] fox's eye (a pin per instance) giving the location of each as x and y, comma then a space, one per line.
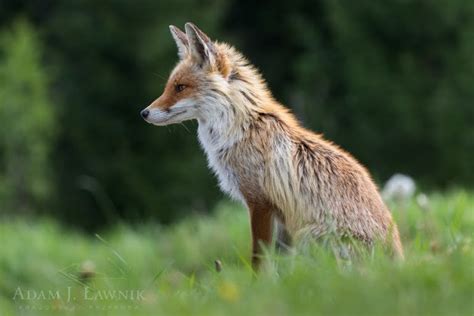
179, 87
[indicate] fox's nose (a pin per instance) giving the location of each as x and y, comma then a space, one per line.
144, 113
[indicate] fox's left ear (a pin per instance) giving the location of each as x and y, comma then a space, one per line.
181, 41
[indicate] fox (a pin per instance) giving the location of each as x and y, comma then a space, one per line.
261, 154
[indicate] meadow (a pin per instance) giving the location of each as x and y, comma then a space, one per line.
145, 269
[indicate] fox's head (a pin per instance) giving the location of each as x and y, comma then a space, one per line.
202, 85
203, 67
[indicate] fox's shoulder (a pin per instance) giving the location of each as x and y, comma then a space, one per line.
279, 119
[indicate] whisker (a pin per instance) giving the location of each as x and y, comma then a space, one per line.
185, 127
160, 76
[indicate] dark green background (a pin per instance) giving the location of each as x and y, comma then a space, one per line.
390, 81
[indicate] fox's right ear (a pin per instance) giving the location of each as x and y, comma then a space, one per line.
181, 41
200, 46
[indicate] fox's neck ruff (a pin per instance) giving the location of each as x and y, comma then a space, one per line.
235, 104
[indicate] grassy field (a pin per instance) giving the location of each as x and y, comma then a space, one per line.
147, 269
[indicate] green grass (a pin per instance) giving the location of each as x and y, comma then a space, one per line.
174, 267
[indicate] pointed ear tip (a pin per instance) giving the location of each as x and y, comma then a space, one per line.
190, 26
174, 29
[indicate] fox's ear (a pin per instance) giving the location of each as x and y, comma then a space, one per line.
181, 41
200, 46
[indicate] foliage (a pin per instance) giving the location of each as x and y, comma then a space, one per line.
174, 268
27, 121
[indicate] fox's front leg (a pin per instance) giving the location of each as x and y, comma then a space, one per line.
261, 225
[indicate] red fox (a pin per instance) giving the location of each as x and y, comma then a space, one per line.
262, 156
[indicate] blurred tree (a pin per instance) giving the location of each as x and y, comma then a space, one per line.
27, 122
114, 59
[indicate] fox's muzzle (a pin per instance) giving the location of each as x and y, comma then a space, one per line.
182, 111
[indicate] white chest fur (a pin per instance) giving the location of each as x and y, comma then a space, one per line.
215, 147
